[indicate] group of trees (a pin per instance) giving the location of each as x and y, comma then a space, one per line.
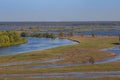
62, 33
47, 35
8, 38
44, 35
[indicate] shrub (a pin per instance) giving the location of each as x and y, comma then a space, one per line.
91, 60
92, 34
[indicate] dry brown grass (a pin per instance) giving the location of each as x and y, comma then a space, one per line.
88, 47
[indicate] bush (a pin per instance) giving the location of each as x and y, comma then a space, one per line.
92, 34
91, 60
24, 34
44, 35
62, 34
119, 37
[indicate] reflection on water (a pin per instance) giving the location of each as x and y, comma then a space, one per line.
35, 44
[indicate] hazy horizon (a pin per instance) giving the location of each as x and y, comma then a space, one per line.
59, 10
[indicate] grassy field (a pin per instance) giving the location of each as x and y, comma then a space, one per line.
77, 53
110, 78
82, 68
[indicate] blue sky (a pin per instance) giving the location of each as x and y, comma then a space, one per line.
59, 10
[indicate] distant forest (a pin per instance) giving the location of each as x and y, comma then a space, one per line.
18, 25
74, 23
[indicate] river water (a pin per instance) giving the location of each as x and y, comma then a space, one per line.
114, 50
35, 44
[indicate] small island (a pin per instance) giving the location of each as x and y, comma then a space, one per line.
11, 38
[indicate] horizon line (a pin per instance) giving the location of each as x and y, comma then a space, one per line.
59, 21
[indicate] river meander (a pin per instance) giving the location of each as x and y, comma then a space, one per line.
35, 44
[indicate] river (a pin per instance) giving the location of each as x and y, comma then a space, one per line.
35, 44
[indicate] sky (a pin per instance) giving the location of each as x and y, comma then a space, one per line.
59, 10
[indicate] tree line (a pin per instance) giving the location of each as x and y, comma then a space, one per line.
47, 35
9, 38
40, 35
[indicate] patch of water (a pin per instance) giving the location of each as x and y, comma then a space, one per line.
30, 62
115, 50
50, 66
67, 75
